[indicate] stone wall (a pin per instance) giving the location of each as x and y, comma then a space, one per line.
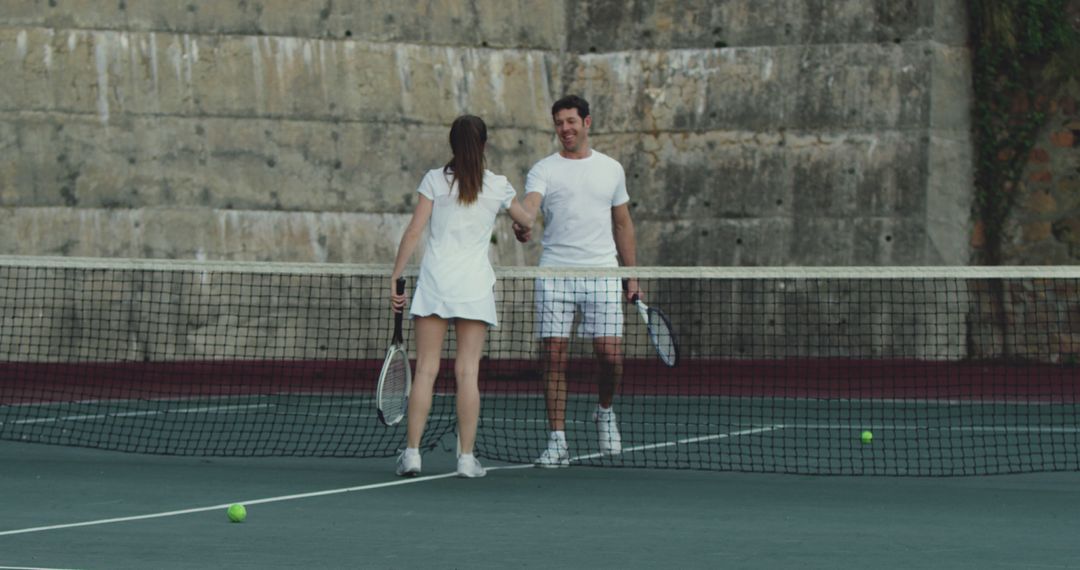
1045, 226
754, 132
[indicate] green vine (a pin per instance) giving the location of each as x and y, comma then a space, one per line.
1020, 52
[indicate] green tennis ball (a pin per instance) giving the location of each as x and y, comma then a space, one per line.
237, 513
867, 437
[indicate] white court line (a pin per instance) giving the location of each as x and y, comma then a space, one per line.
374, 485
698, 439
139, 413
251, 502
908, 427
30, 568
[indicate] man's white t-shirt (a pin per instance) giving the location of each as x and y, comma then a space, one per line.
455, 267
578, 195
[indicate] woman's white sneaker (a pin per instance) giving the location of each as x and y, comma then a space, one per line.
408, 463
468, 466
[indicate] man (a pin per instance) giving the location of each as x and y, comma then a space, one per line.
582, 194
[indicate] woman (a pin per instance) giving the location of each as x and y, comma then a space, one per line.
456, 282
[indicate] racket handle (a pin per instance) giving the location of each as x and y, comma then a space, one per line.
398, 314
626, 287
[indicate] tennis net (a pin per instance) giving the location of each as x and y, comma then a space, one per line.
954, 371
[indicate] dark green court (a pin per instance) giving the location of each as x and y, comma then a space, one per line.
580, 517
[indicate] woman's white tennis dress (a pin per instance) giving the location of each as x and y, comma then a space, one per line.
456, 279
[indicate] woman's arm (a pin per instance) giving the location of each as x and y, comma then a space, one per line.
409, 240
523, 214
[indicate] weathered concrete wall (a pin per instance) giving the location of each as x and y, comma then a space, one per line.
754, 132
773, 133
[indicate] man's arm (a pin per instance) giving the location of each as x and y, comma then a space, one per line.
625, 243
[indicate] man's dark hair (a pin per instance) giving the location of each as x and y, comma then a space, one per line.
571, 102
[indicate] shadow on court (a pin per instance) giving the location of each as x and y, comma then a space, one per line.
341, 513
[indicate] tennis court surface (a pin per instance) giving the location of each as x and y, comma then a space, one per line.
254, 382
519, 517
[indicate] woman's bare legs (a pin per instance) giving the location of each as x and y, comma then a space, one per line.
470, 345
430, 332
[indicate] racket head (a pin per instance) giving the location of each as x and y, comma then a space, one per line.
662, 337
395, 382
395, 379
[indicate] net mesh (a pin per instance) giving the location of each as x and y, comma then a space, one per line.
954, 370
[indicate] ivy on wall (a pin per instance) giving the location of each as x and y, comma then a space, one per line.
1022, 49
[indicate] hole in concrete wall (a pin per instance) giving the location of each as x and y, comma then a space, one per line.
348, 33
592, 49
888, 238
738, 241
720, 44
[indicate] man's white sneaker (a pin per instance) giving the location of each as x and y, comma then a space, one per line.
469, 467
556, 455
607, 429
408, 464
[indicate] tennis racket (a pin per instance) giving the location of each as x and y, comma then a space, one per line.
395, 380
661, 334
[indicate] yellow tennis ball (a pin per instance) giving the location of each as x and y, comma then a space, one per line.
237, 513
867, 436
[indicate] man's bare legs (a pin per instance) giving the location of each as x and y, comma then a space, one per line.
555, 358
609, 356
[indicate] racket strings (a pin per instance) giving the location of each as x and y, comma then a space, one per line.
662, 338
394, 393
